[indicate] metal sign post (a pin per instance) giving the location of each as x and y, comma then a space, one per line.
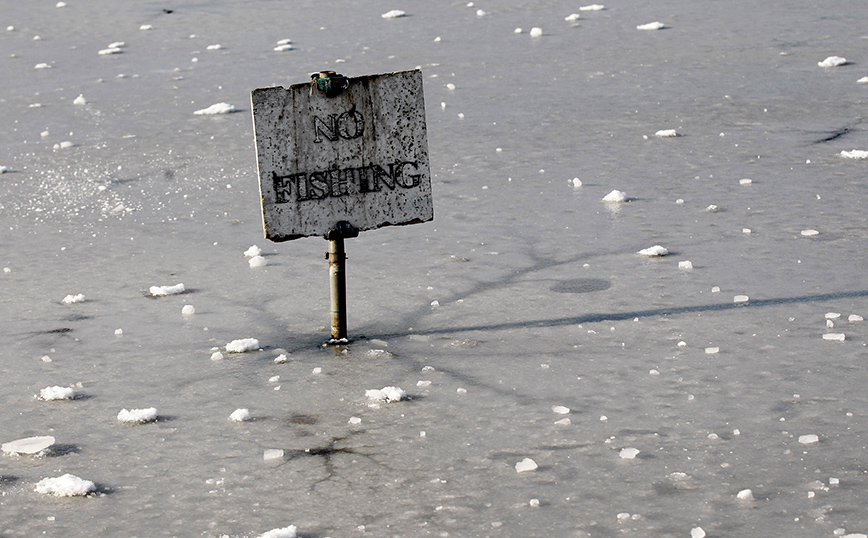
341, 155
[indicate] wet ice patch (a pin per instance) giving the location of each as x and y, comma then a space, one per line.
616, 197
654, 251
832, 61
217, 108
67, 485
29, 445
386, 394
855, 154
285, 532
162, 291
242, 345
656, 25
72, 299
56, 393
394, 14
526, 465
138, 416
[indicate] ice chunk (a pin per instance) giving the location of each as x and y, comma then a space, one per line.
656, 250
42, 65
217, 108
67, 485
272, 454
712, 350
745, 495
257, 261
146, 27
745, 181
629, 453
593, 7
138, 416
253, 252
162, 291
388, 394
686, 264
832, 61
863, 80
216, 356
57, 393
564, 422
810, 233
80, 100
242, 345
216, 46
855, 317
28, 445
378, 354
481, 13
536, 32
855, 154
833, 315
835, 337
808, 439
697, 532
616, 196
285, 532
740, 299
656, 25
354, 420
560, 410
712, 208
280, 359
667, 133
572, 17
525, 465
70, 299
188, 310
283, 48
576, 182
394, 14
240, 415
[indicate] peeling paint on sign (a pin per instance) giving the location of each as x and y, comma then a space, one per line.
360, 156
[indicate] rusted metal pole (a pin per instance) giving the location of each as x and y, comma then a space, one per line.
338, 285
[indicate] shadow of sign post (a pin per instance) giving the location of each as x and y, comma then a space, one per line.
338, 156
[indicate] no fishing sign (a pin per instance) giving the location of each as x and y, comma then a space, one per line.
342, 150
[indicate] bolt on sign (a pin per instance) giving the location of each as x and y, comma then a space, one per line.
342, 150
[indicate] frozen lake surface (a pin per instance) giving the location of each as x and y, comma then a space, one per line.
558, 383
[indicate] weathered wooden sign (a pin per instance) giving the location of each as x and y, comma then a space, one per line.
354, 152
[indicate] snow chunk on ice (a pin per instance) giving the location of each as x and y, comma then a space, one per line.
388, 394
354, 420
138, 416
242, 345
810, 233
712, 350
525, 465
28, 445
257, 261
253, 252
560, 409
686, 264
283, 48
616, 196
216, 46
146, 27
70, 299
656, 25
656, 250
67, 485
80, 100
42, 66
394, 14
285, 532
109, 51
162, 291
855, 317
745, 495
855, 154
216, 356
576, 182
593, 7
809, 439
217, 108
740, 299
272, 454
667, 133
56, 393
833, 315
572, 17
188, 310
629, 453
832, 61
697, 532
745, 181
835, 337
240, 415
536, 32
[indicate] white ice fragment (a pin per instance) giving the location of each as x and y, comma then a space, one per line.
603, 418
656, 250
534, 503
810, 233
378, 354
67, 485
593, 7
855, 154
681, 343
60, 4
216, 356
285, 532
28, 445
740, 299
283, 48
146, 27
855, 317
284, 42
697, 532
242, 345
834, 481
423, 383
808, 439
518, 31
560, 410
42, 66
387, 394
746, 231
280, 359
564, 422
394, 14
70, 299
830, 324
833, 315
835, 337
656, 25
745, 181
216, 46
253, 251
240, 415
576, 182
832, 61
257, 261
461, 390
863, 80
3, 170
572, 17
162, 291
138, 416
119, 332
188, 310
272, 454
354, 420
110, 51
712, 350
667, 133
536, 32
217, 108
317, 370
435, 305
686, 264
616, 196
274, 379
57, 393
712, 208
629, 453
745, 495
450, 86
481, 13
80, 100
525, 465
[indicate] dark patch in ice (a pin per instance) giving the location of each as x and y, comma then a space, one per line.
64, 449
302, 419
834, 135
60, 330
7, 479
76, 317
581, 285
